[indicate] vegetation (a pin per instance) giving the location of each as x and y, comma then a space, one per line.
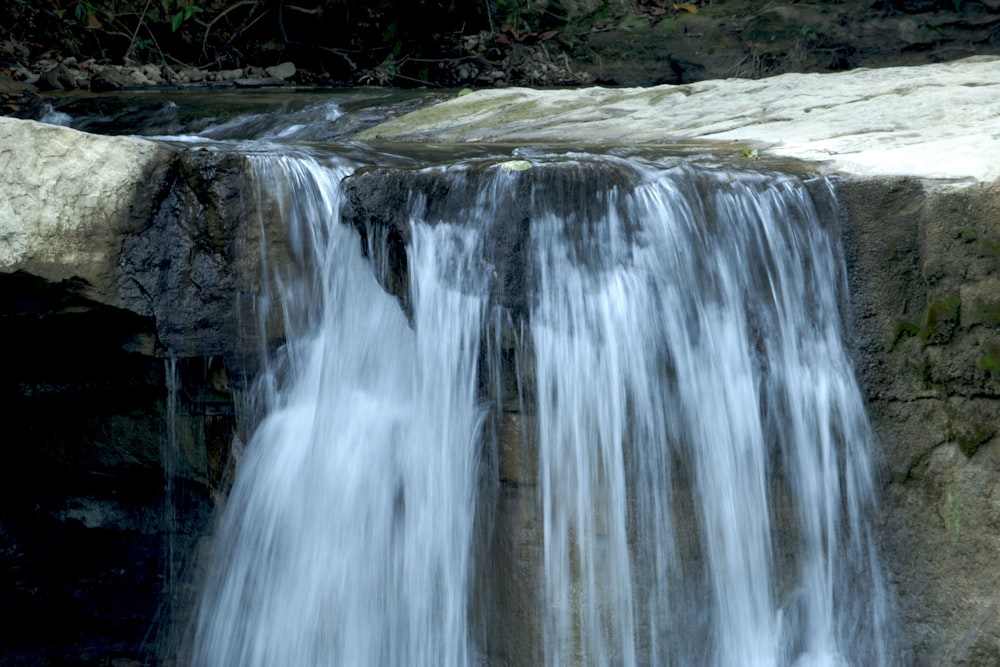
340, 37
497, 42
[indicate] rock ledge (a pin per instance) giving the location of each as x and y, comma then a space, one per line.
933, 121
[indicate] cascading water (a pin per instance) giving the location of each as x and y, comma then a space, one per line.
346, 537
704, 453
703, 456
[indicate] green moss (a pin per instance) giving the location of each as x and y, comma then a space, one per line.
966, 234
940, 320
933, 273
902, 329
987, 314
987, 248
927, 372
953, 516
990, 359
969, 439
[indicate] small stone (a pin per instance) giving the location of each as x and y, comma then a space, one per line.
229, 74
283, 71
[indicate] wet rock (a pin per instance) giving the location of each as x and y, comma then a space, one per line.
9, 86
25, 75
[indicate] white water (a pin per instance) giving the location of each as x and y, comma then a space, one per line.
346, 537
704, 463
701, 358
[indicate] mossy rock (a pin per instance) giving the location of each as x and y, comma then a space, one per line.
966, 234
985, 313
940, 320
990, 359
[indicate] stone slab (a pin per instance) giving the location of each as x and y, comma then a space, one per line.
933, 121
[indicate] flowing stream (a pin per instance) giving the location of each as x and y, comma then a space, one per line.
700, 488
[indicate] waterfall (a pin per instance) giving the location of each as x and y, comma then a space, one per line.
704, 476
704, 451
346, 536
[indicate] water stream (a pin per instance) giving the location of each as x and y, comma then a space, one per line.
702, 484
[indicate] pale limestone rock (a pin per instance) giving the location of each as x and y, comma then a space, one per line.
68, 197
935, 121
282, 71
229, 74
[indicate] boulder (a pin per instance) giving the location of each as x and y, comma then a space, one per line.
284, 70
59, 77
110, 78
139, 226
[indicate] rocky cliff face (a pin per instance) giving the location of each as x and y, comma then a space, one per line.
123, 269
925, 280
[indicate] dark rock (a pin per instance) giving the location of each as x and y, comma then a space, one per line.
59, 77
382, 200
922, 263
92, 499
10, 87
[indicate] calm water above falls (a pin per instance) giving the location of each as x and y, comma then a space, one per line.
704, 481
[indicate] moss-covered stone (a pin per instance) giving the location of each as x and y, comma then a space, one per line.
967, 234
985, 313
940, 320
988, 249
969, 430
990, 359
